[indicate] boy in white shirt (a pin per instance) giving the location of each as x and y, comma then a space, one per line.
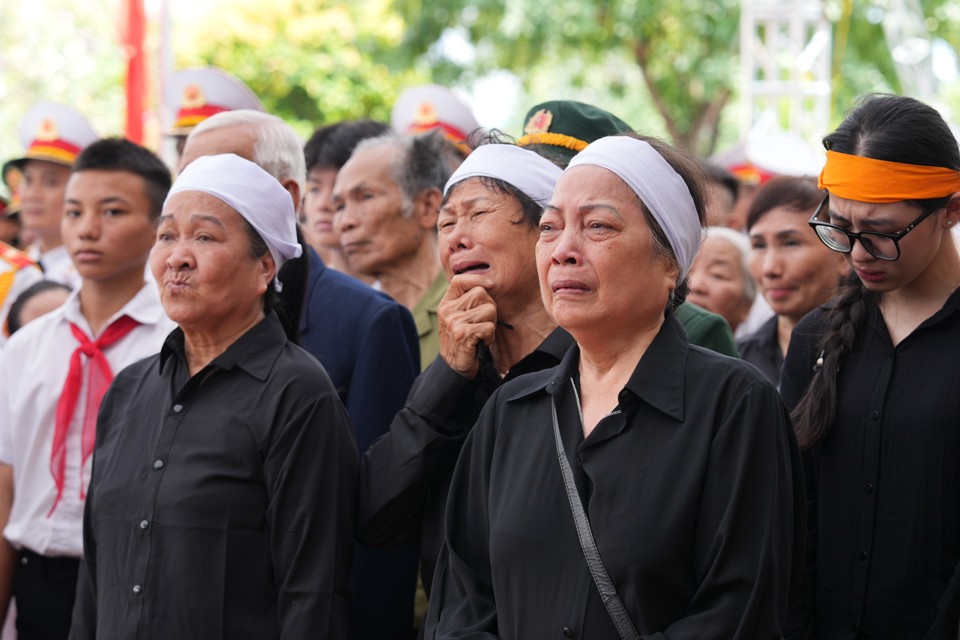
55, 370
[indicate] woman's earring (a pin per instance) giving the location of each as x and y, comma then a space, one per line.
949, 223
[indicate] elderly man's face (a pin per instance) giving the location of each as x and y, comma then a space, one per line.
377, 223
238, 140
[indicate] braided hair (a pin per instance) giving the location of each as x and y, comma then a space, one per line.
895, 129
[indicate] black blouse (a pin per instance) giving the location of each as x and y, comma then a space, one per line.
762, 349
221, 504
405, 475
884, 482
692, 485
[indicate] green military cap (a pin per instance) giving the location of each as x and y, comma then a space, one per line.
559, 129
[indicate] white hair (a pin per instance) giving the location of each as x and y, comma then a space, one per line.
742, 245
278, 150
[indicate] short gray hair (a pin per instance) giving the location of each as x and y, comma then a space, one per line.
278, 150
425, 161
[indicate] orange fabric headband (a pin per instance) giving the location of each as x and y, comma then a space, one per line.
868, 180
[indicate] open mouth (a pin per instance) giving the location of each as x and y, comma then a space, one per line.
479, 266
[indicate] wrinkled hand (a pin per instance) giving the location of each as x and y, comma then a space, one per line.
467, 316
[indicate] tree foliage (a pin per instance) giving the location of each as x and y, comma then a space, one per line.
310, 61
58, 51
666, 66
686, 49
862, 56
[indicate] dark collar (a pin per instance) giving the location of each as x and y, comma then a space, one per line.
254, 352
557, 343
658, 378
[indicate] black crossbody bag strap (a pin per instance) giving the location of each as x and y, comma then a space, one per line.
608, 593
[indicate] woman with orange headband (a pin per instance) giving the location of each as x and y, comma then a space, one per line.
871, 379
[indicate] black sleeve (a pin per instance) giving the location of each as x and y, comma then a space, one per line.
310, 472
798, 371
420, 448
749, 539
462, 602
84, 622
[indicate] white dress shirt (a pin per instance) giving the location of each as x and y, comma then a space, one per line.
33, 368
57, 265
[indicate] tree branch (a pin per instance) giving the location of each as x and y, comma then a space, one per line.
640, 53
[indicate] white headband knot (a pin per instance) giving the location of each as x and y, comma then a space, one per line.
532, 174
658, 185
253, 193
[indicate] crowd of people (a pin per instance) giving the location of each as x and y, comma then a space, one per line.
424, 379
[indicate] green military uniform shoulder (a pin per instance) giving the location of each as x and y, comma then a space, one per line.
706, 329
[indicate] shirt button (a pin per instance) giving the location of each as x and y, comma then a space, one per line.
868, 488
875, 415
144, 524
137, 589
158, 464
567, 632
862, 556
177, 408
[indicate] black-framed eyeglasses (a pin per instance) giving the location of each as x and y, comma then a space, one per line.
882, 246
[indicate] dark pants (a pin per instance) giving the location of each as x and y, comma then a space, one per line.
45, 589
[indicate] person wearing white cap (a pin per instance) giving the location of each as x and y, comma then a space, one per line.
193, 95
430, 106
493, 327
56, 368
662, 475
53, 136
223, 492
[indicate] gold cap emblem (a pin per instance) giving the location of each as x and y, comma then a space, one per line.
193, 97
539, 122
426, 114
47, 129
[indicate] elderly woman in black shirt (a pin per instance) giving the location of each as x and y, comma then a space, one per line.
680, 461
493, 327
223, 488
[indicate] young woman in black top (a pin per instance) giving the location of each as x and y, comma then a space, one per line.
871, 379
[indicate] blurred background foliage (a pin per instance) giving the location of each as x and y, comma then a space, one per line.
668, 67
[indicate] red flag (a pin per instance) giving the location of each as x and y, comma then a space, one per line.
134, 26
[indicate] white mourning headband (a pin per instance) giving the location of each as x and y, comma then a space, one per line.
660, 188
532, 174
253, 193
